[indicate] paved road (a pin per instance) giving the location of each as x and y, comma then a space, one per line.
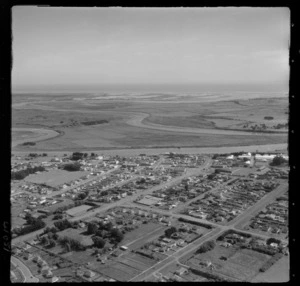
29, 278
170, 259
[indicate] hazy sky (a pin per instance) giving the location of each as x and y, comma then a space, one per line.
150, 45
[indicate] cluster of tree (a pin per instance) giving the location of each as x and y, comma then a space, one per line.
63, 224
231, 231
170, 231
81, 196
58, 216
78, 156
268, 117
206, 246
278, 160
279, 126
59, 210
99, 242
28, 143
141, 181
20, 175
215, 156
72, 167
273, 240
70, 244
94, 122
208, 226
101, 230
33, 224
50, 239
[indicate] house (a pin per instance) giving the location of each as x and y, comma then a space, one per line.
226, 244
42, 263
88, 274
181, 271
49, 274
166, 240
28, 256
274, 244
46, 271
36, 258
54, 279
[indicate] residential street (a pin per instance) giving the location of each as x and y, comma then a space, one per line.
24, 269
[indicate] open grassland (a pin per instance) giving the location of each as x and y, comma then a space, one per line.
106, 122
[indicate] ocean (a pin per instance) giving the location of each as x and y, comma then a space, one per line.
177, 89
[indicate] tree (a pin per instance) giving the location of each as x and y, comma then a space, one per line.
58, 216
278, 160
170, 231
63, 224
98, 241
52, 243
109, 226
117, 234
82, 196
44, 240
77, 156
92, 228
72, 167
186, 187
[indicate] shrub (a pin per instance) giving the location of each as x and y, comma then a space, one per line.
170, 231
206, 246
72, 167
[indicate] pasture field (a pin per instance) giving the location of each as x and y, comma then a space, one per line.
129, 120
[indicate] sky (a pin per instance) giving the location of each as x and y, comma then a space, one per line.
83, 46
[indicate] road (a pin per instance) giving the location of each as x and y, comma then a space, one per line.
29, 278
146, 192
